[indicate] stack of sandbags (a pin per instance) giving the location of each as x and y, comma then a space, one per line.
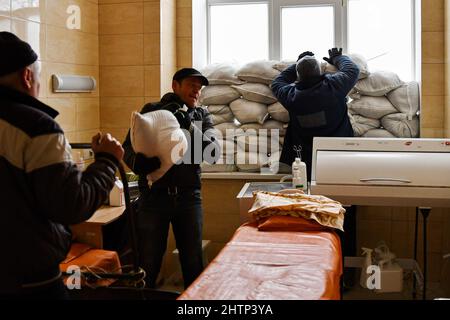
384, 106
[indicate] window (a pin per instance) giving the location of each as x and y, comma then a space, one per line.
383, 31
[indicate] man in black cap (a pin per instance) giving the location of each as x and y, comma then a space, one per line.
176, 197
42, 189
317, 106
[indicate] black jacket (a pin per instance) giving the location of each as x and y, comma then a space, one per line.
317, 108
41, 191
185, 175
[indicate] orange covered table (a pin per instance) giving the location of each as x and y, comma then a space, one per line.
272, 265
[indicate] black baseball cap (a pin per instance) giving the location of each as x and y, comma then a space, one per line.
15, 54
190, 72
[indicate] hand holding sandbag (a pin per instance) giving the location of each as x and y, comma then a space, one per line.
183, 119
304, 54
333, 53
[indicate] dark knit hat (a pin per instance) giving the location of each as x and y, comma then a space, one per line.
15, 54
307, 67
190, 72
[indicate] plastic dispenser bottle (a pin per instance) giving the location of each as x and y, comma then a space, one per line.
299, 175
117, 196
367, 263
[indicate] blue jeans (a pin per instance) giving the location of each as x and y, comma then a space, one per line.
156, 210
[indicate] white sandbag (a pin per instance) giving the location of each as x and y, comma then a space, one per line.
249, 111
220, 113
362, 124
221, 73
361, 62
405, 98
231, 127
399, 125
251, 142
158, 134
326, 67
260, 71
371, 107
378, 83
378, 133
257, 92
278, 112
282, 65
273, 124
220, 94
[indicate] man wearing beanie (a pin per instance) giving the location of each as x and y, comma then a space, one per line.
42, 190
317, 106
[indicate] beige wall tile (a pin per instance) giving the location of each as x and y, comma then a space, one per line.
33, 11
433, 15
184, 3
116, 112
152, 81
120, 50
118, 133
67, 112
84, 136
88, 113
121, 81
72, 46
433, 47
184, 52
121, 18
152, 17
433, 79
432, 133
434, 105
117, 1
184, 22
152, 49
57, 15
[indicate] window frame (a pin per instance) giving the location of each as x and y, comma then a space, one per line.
274, 21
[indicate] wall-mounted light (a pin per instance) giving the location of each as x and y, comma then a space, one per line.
71, 83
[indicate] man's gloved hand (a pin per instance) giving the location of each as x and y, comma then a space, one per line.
304, 54
143, 165
172, 107
183, 119
333, 53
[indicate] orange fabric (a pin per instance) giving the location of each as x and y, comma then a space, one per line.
288, 223
276, 265
96, 260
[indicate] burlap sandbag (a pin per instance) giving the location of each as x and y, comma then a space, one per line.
278, 112
249, 111
401, 125
371, 107
221, 73
219, 94
260, 71
220, 113
378, 133
378, 83
406, 98
257, 92
362, 124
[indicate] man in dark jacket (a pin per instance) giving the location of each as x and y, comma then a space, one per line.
176, 197
42, 189
317, 105
316, 102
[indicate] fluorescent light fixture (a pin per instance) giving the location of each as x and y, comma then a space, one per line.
73, 83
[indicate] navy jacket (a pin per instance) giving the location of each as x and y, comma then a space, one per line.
317, 108
41, 191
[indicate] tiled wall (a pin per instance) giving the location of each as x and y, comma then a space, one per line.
43, 24
133, 34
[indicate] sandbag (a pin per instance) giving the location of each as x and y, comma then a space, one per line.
221, 73
406, 98
257, 92
278, 112
362, 124
378, 83
401, 125
223, 127
219, 94
378, 133
371, 107
220, 113
249, 111
158, 134
260, 71
251, 142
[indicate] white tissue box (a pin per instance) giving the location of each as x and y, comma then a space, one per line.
391, 279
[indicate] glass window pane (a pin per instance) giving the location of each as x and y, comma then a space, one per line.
307, 28
239, 32
382, 31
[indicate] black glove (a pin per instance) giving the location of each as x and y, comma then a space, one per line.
333, 53
183, 119
304, 54
143, 165
172, 107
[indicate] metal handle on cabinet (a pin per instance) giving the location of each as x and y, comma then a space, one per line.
385, 180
